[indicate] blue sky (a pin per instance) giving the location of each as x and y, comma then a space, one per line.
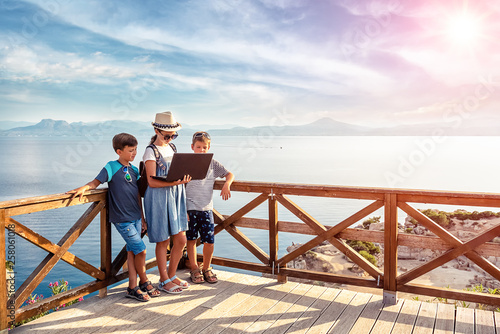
260, 62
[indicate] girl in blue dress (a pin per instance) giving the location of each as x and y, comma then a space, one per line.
165, 203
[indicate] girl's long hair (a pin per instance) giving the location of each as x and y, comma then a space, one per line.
153, 139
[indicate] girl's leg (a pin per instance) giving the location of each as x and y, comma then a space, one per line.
161, 259
179, 241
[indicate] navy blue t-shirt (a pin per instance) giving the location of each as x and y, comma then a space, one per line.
123, 195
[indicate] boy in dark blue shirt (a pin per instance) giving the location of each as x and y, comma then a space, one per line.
125, 212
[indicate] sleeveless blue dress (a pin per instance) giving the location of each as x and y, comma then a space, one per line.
165, 209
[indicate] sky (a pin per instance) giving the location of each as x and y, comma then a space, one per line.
250, 63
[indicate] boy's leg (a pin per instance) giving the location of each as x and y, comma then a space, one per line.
207, 233
132, 272
191, 236
140, 266
207, 237
131, 233
192, 254
208, 252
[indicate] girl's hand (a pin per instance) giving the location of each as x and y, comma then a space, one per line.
186, 179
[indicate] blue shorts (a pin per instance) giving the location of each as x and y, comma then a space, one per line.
202, 222
131, 233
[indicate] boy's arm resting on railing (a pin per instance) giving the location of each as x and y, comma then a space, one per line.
81, 190
226, 188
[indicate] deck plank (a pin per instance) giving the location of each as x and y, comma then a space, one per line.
286, 320
485, 322
464, 323
496, 315
369, 316
445, 320
351, 313
245, 303
282, 307
234, 314
387, 318
330, 315
277, 292
406, 319
209, 315
426, 318
309, 317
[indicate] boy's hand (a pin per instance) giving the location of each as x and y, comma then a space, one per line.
78, 192
225, 192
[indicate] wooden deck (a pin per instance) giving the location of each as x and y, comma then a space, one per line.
243, 303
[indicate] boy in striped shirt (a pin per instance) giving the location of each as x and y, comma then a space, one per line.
199, 200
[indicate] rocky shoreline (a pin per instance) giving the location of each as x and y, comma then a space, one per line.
460, 273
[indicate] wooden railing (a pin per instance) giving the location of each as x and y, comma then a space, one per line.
390, 200
105, 275
387, 278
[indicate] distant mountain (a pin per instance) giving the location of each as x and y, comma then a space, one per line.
321, 127
6, 125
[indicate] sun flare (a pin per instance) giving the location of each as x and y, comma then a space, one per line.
464, 28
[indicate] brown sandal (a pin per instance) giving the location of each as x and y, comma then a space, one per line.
196, 276
209, 276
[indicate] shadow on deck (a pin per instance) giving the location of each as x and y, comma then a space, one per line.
244, 303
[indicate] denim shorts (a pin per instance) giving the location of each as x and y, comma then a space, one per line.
131, 233
202, 222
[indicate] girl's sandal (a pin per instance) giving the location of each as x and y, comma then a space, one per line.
196, 276
152, 292
175, 290
182, 284
209, 276
137, 294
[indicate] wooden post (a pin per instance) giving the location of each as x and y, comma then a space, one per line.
273, 237
105, 248
390, 249
4, 320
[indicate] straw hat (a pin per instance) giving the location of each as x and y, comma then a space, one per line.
166, 121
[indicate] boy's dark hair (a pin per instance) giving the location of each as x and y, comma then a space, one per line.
123, 139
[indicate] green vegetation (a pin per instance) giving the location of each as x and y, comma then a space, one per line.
9, 265
365, 249
56, 287
366, 224
459, 303
369, 257
443, 218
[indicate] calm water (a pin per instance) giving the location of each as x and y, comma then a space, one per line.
40, 166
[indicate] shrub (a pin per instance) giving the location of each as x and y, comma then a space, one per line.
366, 224
369, 257
366, 246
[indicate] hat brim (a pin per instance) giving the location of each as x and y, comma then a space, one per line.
167, 127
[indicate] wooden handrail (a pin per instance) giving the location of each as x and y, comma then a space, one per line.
275, 194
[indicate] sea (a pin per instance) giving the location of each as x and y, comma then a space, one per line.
35, 166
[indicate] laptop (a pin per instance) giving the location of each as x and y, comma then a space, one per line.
192, 164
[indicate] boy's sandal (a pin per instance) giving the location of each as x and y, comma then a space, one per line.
196, 276
175, 290
137, 294
183, 284
209, 276
152, 292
